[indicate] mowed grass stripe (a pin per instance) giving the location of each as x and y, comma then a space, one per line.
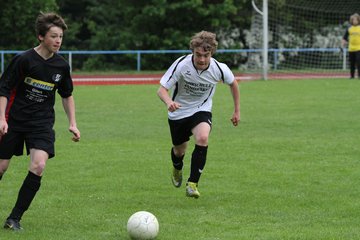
288, 171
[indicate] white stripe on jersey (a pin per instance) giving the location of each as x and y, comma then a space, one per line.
194, 89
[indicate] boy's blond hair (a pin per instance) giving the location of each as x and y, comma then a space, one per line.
353, 17
204, 39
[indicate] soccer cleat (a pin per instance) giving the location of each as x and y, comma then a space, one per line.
191, 190
12, 224
176, 177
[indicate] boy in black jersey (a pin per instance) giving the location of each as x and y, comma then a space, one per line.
27, 98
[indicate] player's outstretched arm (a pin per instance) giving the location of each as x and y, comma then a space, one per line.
164, 96
3, 123
234, 88
69, 107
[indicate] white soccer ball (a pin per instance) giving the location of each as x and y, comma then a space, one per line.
143, 225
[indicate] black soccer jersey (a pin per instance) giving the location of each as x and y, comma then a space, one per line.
30, 83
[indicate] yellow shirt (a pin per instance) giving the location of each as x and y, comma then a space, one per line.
354, 38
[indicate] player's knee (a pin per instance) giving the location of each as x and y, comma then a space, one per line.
178, 152
202, 140
3, 166
38, 168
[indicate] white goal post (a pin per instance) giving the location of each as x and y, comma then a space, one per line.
299, 37
265, 47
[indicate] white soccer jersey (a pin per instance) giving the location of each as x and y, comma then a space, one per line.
193, 89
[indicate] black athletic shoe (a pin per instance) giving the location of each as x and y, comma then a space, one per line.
12, 224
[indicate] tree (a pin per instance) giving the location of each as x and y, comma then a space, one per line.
17, 20
159, 24
78, 35
162, 24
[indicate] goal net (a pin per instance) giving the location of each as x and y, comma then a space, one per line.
304, 38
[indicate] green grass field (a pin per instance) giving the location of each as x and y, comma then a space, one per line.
290, 170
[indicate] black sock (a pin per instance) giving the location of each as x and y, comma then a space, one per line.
1, 177
177, 161
27, 193
198, 161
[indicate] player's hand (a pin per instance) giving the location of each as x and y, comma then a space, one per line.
3, 127
76, 134
235, 119
173, 106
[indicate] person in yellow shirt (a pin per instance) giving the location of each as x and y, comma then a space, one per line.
352, 38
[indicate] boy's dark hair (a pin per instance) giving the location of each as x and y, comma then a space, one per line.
45, 21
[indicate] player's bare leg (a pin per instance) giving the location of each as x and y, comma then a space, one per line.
28, 189
4, 164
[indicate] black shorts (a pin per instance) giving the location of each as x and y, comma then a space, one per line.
12, 143
181, 129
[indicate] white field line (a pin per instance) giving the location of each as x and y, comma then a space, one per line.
113, 79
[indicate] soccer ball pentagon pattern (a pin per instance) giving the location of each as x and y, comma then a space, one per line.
143, 225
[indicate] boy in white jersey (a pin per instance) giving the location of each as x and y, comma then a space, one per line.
193, 79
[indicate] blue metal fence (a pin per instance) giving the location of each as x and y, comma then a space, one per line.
139, 53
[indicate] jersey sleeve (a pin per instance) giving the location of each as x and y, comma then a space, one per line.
171, 76
12, 75
346, 35
228, 74
66, 85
